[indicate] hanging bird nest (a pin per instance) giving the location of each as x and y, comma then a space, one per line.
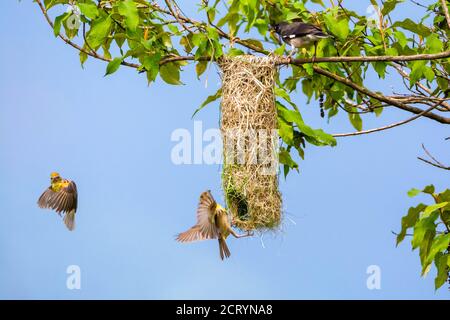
250, 141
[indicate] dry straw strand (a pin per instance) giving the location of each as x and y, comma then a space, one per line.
249, 132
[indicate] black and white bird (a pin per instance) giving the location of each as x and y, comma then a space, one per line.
299, 35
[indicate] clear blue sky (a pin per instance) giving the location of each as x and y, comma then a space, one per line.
112, 136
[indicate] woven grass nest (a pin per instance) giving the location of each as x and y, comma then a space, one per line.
250, 140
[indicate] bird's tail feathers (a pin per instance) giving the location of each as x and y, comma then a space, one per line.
223, 248
69, 220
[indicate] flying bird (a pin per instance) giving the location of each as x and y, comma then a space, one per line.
298, 34
212, 223
61, 196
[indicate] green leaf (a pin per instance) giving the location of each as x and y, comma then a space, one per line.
445, 195
286, 159
318, 2
286, 131
251, 9
255, 43
413, 192
151, 64
434, 207
434, 44
422, 227
441, 262
280, 92
89, 9
424, 249
428, 189
208, 100
428, 73
50, 3
316, 136
83, 58
173, 28
170, 73
417, 69
99, 31
211, 12
380, 68
339, 28
409, 221
443, 84
113, 66
291, 15
440, 244
401, 38
200, 68
389, 5
355, 120
235, 52
129, 10
58, 23
410, 25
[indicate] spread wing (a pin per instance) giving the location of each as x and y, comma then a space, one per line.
205, 227
65, 200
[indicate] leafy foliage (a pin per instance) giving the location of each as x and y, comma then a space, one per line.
431, 232
158, 39
155, 35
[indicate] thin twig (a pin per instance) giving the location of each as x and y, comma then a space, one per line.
393, 125
434, 161
406, 75
74, 45
433, 164
176, 16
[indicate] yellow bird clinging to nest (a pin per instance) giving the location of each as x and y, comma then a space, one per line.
212, 223
61, 196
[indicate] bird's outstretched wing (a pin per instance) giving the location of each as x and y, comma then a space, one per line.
65, 200
205, 227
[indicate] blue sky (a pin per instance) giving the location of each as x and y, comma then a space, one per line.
112, 136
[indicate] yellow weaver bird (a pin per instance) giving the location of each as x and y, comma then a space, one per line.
212, 223
61, 196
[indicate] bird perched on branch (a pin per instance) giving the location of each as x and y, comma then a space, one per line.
298, 34
212, 223
61, 196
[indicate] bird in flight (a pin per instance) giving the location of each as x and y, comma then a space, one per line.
298, 34
212, 223
61, 196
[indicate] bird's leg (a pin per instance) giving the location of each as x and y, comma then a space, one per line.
293, 51
248, 234
315, 52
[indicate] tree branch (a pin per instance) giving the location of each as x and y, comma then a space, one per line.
415, 57
445, 9
380, 97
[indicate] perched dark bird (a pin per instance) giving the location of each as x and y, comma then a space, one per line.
212, 223
61, 196
299, 34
